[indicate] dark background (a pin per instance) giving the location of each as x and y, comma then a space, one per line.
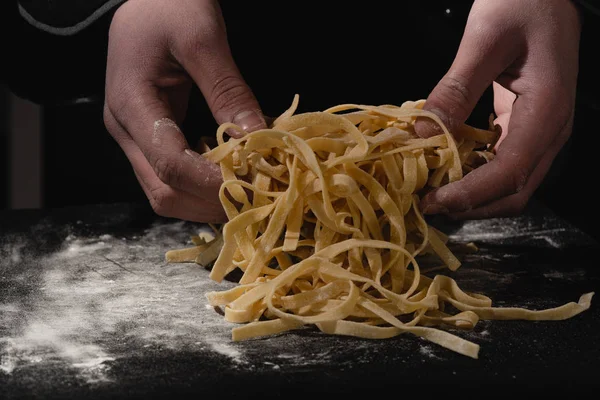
3, 149
370, 53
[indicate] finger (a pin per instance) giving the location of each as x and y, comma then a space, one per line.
169, 202
149, 121
503, 102
537, 118
165, 200
503, 99
206, 56
484, 52
514, 204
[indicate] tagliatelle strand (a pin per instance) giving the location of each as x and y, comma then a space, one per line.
332, 235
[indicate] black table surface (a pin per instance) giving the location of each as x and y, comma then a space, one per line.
90, 309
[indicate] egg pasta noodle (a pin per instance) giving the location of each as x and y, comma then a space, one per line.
324, 224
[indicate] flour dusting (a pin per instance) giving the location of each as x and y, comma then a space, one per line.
226, 350
79, 247
513, 229
15, 255
97, 299
565, 275
427, 352
159, 129
94, 288
12, 250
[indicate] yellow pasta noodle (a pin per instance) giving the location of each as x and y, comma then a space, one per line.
323, 221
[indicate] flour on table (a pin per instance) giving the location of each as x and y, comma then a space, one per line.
94, 288
226, 350
273, 365
427, 351
12, 250
15, 254
79, 247
565, 275
97, 299
516, 228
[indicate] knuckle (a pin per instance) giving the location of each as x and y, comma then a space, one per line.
167, 170
454, 95
162, 201
229, 91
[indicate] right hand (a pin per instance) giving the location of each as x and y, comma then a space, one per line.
157, 50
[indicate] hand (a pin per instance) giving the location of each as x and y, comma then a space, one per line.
529, 50
157, 50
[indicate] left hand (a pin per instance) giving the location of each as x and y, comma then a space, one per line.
529, 51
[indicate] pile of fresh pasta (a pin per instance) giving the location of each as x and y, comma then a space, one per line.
324, 223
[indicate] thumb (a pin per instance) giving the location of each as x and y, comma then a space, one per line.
209, 62
482, 56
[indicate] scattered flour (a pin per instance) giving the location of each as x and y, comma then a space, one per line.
511, 229
94, 288
287, 356
227, 350
12, 250
15, 255
554, 275
565, 275
160, 127
79, 247
272, 365
427, 351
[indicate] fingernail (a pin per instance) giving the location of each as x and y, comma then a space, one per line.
435, 209
426, 127
249, 120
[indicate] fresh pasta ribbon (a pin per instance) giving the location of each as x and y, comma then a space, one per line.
325, 226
